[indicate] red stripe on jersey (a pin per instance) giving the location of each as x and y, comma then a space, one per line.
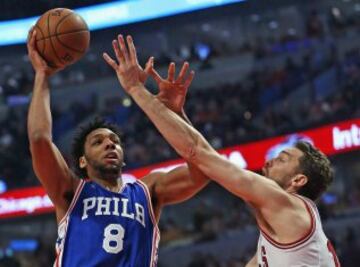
156, 232
73, 201
57, 260
301, 240
72, 204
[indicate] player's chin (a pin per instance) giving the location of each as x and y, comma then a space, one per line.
111, 168
113, 165
264, 171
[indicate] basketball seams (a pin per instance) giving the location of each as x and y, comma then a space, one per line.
63, 33
68, 47
61, 20
67, 36
77, 31
51, 43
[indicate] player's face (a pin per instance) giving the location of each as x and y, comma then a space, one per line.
103, 151
285, 166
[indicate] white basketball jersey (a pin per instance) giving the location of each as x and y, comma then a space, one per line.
312, 250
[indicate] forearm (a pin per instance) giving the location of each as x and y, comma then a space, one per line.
190, 144
197, 176
39, 116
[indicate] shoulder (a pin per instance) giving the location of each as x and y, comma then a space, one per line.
307, 207
302, 212
289, 223
150, 181
294, 203
153, 183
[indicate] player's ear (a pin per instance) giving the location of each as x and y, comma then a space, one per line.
82, 162
299, 180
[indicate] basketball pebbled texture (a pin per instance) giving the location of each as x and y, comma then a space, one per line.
62, 37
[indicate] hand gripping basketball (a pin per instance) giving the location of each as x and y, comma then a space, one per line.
62, 37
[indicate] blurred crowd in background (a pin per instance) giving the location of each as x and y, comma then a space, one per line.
317, 62
254, 107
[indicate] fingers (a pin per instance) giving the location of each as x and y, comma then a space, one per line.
132, 50
110, 61
189, 79
182, 73
34, 56
156, 76
119, 56
30, 33
31, 40
123, 48
149, 65
171, 72
124, 54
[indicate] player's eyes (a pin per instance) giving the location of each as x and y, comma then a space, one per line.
96, 142
115, 140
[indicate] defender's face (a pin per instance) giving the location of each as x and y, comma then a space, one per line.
103, 151
282, 168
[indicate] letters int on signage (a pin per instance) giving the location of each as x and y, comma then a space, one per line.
346, 138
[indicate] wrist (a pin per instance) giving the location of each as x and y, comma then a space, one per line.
41, 81
41, 75
134, 89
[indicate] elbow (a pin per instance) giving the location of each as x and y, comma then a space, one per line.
195, 150
38, 137
192, 153
193, 147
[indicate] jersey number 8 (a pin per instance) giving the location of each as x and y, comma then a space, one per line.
113, 238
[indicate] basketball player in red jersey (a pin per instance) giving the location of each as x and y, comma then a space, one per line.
282, 198
86, 208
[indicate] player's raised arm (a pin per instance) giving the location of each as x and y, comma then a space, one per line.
49, 165
182, 182
188, 142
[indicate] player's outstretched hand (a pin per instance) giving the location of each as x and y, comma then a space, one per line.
172, 92
38, 63
130, 74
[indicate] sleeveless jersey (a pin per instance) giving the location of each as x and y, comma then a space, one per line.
313, 250
103, 228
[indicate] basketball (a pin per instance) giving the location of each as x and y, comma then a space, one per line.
62, 37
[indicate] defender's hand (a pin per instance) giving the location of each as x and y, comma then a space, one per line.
172, 92
130, 74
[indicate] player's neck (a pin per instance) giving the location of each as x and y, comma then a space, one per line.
112, 183
291, 190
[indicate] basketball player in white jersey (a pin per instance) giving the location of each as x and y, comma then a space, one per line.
282, 198
103, 220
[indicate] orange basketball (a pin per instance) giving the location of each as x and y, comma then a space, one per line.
62, 37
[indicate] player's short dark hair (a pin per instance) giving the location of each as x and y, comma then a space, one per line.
78, 144
316, 166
